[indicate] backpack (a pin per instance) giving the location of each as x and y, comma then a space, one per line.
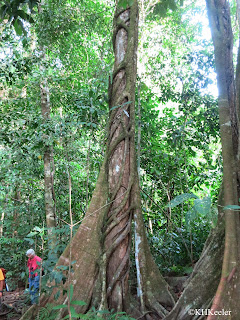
4, 275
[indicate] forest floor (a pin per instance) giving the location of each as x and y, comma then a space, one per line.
15, 303
177, 284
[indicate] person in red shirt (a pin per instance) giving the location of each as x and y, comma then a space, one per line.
34, 266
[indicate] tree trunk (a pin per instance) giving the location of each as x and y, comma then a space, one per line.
220, 23
207, 279
17, 200
48, 170
102, 245
49, 194
1, 224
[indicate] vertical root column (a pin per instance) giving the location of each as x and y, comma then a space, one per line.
117, 240
117, 236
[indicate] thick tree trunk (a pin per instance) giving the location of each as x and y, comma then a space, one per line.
102, 245
238, 99
220, 23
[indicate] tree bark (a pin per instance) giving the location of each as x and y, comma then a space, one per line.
48, 170
220, 23
49, 194
102, 245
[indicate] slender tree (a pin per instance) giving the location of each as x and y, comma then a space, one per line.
49, 195
48, 169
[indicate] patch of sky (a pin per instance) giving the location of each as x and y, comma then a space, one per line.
155, 42
199, 17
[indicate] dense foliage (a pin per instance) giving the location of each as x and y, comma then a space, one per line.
179, 149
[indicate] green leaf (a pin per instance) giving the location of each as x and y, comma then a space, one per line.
30, 241
21, 14
57, 295
60, 306
181, 198
18, 27
78, 302
91, 93
121, 105
189, 216
31, 234
73, 312
231, 207
202, 206
62, 267
71, 292
37, 229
